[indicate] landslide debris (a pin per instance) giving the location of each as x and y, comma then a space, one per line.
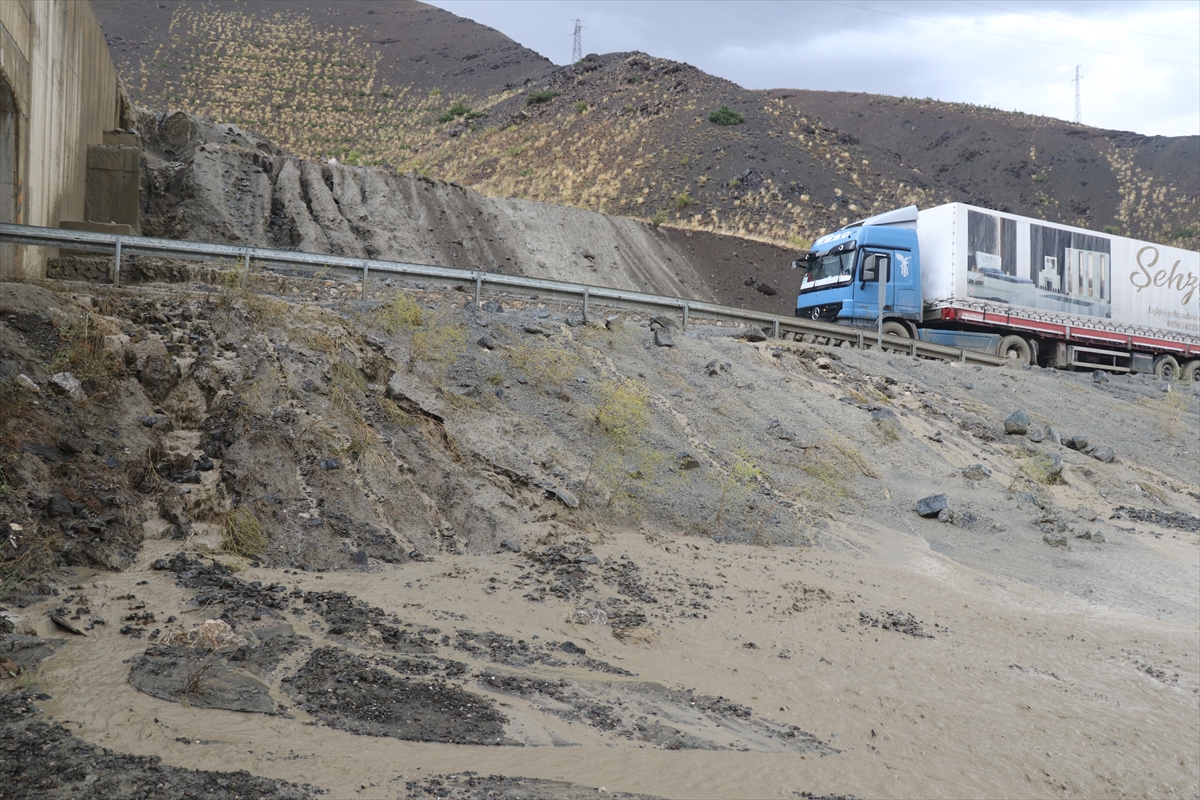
42, 759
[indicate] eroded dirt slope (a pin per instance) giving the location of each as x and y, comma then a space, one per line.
218, 183
376, 547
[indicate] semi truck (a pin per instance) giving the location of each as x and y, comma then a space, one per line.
1037, 291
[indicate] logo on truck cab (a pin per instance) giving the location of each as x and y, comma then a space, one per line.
1148, 276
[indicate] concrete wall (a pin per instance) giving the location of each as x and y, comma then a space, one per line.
65, 94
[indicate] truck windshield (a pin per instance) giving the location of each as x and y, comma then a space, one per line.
830, 270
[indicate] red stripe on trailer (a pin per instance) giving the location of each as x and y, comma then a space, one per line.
1070, 333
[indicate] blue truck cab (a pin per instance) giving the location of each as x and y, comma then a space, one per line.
842, 270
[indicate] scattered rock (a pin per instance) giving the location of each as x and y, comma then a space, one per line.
566, 495
933, 505
614, 322
1104, 454
66, 625
664, 322
486, 342
899, 621
60, 506
1100, 376
1174, 519
511, 545
1056, 539
69, 385
1076, 442
1018, 423
589, 616
662, 338
712, 368
976, 472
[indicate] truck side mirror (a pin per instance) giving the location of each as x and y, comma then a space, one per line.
870, 269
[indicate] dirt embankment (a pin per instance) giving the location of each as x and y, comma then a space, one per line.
376, 546
218, 183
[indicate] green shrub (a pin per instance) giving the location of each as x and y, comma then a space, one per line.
727, 116
581, 107
455, 111
544, 96
683, 200
658, 219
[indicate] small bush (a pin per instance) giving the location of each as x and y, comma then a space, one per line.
683, 200
581, 107
243, 534
1112, 229
544, 96
1181, 232
455, 111
658, 219
624, 410
545, 366
727, 116
1041, 469
401, 313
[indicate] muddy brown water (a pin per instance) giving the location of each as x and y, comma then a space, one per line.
1020, 691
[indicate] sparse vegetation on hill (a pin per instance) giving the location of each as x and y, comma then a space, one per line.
799, 164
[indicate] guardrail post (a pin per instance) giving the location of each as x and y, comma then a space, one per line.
366, 269
586, 295
246, 269
962, 356
685, 315
478, 288
117, 265
775, 328
860, 340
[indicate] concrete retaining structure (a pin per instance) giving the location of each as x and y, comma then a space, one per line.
59, 93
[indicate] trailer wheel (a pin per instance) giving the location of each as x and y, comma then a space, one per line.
1166, 368
1015, 347
1190, 369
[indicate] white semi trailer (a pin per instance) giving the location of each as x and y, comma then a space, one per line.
1039, 291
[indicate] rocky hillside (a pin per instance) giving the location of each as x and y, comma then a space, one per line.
413, 88
1143, 186
328, 529
220, 183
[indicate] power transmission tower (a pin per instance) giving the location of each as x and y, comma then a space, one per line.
1078, 112
577, 49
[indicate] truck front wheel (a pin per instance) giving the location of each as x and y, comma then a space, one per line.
1166, 368
1015, 347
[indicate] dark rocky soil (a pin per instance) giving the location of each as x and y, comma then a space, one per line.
42, 759
470, 786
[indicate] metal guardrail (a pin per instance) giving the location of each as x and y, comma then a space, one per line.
773, 325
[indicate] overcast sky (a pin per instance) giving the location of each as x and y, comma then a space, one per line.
1140, 60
